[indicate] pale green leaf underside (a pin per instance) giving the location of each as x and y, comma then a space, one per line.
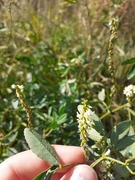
94, 135
40, 146
47, 174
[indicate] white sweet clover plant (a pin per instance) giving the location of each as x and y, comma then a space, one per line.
113, 152
129, 91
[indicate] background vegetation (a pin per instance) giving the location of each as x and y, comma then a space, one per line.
58, 50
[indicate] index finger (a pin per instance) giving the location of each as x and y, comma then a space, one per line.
27, 165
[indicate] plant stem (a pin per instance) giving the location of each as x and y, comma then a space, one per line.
114, 110
12, 131
133, 173
90, 28
96, 162
129, 160
113, 160
113, 30
129, 102
21, 97
104, 157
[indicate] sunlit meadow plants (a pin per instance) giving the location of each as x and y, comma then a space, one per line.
112, 153
61, 56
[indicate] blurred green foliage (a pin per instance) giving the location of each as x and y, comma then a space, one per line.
58, 51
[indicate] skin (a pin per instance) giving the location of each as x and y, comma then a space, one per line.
26, 165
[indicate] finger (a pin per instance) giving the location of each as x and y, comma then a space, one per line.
80, 172
27, 165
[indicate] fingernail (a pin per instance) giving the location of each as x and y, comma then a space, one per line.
76, 176
83, 172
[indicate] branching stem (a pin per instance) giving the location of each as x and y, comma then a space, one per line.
114, 110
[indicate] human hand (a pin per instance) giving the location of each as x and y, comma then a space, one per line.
26, 165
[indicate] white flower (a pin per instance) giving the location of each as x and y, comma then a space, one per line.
85, 115
88, 114
80, 108
18, 88
85, 122
13, 86
107, 152
104, 165
94, 135
21, 87
101, 95
111, 177
15, 104
129, 91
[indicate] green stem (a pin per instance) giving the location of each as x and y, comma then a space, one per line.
67, 165
12, 131
129, 114
24, 105
133, 173
130, 160
89, 25
96, 162
128, 109
122, 163
114, 110
61, 167
104, 157
114, 160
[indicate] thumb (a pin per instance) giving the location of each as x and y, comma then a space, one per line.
80, 172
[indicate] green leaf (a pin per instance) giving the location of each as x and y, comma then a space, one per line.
125, 142
94, 135
65, 72
129, 61
47, 174
119, 131
114, 136
106, 24
131, 72
132, 149
54, 124
61, 119
10, 139
62, 109
40, 146
50, 111
132, 112
98, 125
43, 176
121, 171
55, 115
